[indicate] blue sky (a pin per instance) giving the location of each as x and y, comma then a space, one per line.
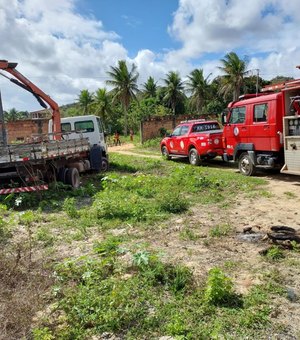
140, 24
65, 46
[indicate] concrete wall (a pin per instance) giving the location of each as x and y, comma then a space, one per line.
150, 128
25, 130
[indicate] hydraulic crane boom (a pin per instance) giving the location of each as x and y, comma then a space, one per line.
41, 96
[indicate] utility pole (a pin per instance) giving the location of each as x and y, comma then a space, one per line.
257, 79
3, 136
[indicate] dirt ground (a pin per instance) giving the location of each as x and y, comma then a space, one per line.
280, 206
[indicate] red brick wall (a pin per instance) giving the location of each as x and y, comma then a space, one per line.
24, 130
150, 128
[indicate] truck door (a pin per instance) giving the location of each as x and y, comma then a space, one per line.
182, 140
259, 129
177, 141
236, 129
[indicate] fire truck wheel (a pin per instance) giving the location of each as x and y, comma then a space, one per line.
194, 157
246, 167
72, 178
104, 164
165, 153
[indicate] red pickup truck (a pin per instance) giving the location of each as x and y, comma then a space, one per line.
195, 139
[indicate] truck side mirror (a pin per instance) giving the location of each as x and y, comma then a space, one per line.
224, 117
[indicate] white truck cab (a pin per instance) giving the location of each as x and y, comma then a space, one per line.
88, 126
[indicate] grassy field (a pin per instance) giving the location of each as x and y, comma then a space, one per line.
77, 264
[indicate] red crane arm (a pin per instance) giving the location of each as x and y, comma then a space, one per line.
37, 92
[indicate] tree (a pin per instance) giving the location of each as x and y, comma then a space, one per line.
150, 88
12, 115
173, 92
102, 104
125, 87
198, 86
235, 70
85, 98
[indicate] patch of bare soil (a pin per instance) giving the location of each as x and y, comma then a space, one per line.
128, 149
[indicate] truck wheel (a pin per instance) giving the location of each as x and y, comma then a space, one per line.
194, 157
246, 167
165, 153
61, 175
72, 178
104, 164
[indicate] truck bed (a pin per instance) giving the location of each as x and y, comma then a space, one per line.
36, 152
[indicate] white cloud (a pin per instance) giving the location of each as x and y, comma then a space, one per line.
64, 52
58, 49
269, 28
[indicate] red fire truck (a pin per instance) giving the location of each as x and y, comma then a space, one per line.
263, 130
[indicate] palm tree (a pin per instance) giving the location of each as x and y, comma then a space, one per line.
125, 87
173, 92
102, 104
85, 98
198, 86
150, 88
12, 115
234, 69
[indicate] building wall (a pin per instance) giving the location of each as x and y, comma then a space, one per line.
25, 130
150, 128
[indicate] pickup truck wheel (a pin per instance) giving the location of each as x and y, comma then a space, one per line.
165, 153
72, 178
104, 164
194, 157
246, 167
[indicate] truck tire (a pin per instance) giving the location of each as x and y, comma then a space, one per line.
165, 153
61, 175
246, 167
194, 157
104, 164
72, 178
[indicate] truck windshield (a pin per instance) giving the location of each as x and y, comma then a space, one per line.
237, 115
85, 126
205, 127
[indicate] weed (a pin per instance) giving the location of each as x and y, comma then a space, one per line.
44, 235
220, 230
108, 247
69, 207
177, 278
274, 253
173, 203
188, 235
219, 288
42, 334
290, 194
5, 231
295, 246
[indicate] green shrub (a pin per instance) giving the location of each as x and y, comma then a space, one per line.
175, 277
173, 203
219, 288
275, 253
69, 207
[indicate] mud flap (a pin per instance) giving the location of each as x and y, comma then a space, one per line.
96, 157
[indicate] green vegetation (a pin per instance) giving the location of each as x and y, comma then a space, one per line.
93, 260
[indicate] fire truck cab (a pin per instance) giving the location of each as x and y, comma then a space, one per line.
263, 130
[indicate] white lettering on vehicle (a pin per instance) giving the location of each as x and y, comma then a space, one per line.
203, 144
182, 145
